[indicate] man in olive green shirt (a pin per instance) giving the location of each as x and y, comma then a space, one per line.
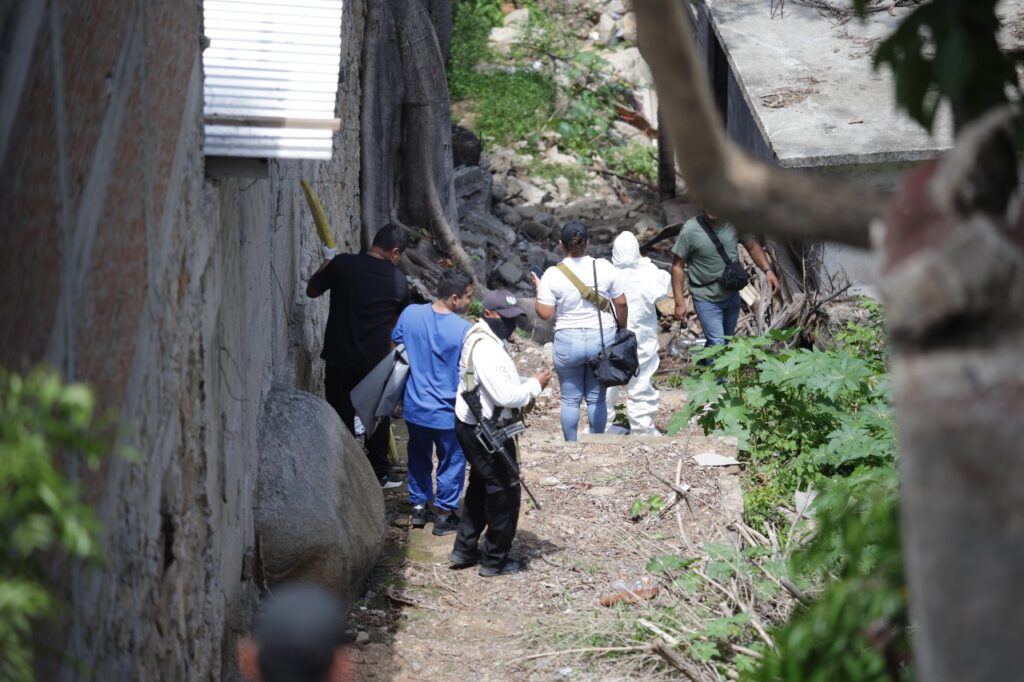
697, 262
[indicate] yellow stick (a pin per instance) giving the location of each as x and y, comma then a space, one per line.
392, 446
319, 217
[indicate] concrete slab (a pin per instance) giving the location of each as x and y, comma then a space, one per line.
809, 82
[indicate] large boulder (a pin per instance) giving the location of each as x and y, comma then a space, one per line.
485, 224
472, 189
319, 508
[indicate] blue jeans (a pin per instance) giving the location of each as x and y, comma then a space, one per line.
572, 349
451, 467
718, 319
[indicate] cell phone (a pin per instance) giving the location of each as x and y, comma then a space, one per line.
537, 271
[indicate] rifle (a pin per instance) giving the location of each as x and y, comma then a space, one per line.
493, 439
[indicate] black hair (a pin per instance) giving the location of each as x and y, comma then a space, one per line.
298, 631
575, 238
453, 282
391, 237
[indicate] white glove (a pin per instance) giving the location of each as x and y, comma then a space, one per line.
328, 252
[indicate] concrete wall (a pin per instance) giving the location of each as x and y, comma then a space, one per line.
178, 296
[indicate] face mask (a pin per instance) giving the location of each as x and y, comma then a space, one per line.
502, 326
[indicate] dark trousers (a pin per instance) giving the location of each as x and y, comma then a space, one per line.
492, 502
338, 383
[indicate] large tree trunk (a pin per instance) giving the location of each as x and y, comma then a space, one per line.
380, 121
407, 151
954, 288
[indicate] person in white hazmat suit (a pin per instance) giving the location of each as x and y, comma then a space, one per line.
645, 284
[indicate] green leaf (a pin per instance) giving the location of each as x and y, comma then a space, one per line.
668, 562
636, 510
689, 583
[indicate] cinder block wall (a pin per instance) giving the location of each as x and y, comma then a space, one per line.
180, 297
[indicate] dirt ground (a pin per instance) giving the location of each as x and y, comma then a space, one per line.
422, 620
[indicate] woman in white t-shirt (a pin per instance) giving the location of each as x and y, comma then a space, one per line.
577, 335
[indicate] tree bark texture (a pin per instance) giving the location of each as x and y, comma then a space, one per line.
407, 150
954, 291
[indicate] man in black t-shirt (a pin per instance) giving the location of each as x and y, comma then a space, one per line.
368, 292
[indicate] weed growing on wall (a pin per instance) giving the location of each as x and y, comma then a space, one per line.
41, 512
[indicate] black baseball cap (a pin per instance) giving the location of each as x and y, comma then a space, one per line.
298, 631
502, 302
573, 228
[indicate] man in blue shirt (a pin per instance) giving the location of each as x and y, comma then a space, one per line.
433, 335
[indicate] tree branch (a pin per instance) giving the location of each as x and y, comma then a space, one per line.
756, 196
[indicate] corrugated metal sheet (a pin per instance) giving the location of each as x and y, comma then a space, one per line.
271, 77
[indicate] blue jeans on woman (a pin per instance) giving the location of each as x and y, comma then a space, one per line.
572, 349
718, 318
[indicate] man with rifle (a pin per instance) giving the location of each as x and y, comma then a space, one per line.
488, 416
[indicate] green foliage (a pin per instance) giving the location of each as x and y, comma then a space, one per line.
858, 628
40, 509
510, 103
948, 49
476, 309
640, 507
621, 418
472, 21
799, 415
545, 89
632, 160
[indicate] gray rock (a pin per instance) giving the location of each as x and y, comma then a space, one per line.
510, 272
536, 255
527, 192
488, 226
509, 215
319, 510
536, 230
563, 186
472, 189
519, 17
630, 134
498, 190
628, 24
631, 67
502, 38
472, 240
606, 29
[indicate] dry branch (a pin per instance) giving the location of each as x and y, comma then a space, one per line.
676, 660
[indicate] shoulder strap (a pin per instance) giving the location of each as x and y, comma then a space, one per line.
470, 373
714, 238
586, 292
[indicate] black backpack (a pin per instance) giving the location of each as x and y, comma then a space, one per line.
735, 276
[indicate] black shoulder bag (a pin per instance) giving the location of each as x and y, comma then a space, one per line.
735, 276
616, 363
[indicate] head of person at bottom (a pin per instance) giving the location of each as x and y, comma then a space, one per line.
300, 636
454, 290
501, 313
575, 239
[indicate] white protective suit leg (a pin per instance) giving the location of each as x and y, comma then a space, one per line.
642, 406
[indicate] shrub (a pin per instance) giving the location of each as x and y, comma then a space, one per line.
41, 512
